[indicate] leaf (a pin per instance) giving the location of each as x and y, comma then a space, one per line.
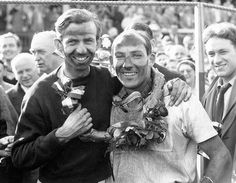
150, 135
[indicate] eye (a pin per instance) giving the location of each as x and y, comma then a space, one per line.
137, 56
28, 70
89, 40
211, 54
72, 42
223, 52
119, 56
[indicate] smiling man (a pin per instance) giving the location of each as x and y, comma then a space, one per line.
10, 46
170, 156
25, 70
220, 99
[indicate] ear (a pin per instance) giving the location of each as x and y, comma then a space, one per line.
151, 59
99, 42
58, 45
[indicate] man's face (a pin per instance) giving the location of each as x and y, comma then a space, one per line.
131, 63
188, 72
221, 54
9, 48
26, 72
162, 60
178, 52
42, 48
79, 45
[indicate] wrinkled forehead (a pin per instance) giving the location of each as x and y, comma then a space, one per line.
128, 40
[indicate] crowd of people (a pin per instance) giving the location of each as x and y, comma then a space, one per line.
87, 104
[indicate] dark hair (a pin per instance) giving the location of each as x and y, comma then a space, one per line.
77, 16
131, 34
223, 30
14, 36
141, 27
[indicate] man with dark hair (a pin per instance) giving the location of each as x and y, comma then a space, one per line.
145, 29
151, 141
220, 99
68, 103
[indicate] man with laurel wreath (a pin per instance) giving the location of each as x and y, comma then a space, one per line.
150, 140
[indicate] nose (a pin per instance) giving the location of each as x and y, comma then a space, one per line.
216, 59
24, 74
36, 56
127, 63
81, 48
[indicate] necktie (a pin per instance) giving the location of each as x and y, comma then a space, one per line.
220, 102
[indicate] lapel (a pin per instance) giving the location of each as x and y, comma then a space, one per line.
20, 91
230, 115
209, 100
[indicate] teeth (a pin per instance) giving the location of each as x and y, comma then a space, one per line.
129, 73
81, 58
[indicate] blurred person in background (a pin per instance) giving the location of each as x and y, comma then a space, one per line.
25, 70
8, 121
188, 43
10, 46
186, 67
177, 52
44, 52
161, 59
166, 42
4, 84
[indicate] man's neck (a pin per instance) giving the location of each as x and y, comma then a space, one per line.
75, 73
144, 88
223, 81
8, 65
25, 89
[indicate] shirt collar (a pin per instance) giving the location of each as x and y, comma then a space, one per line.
220, 82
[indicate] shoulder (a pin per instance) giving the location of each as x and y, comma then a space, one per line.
169, 74
98, 70
13, 90
42, 85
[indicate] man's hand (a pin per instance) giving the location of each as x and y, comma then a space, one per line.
6, 144
77, 123
179, 91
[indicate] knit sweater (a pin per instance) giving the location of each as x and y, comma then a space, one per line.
75, 161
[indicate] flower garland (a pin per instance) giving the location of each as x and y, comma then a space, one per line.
70, 96
128, 134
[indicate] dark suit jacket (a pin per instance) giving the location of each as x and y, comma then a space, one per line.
229, 120
16, 95
168, 74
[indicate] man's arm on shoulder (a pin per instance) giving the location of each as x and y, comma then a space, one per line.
169, 75
219, 168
